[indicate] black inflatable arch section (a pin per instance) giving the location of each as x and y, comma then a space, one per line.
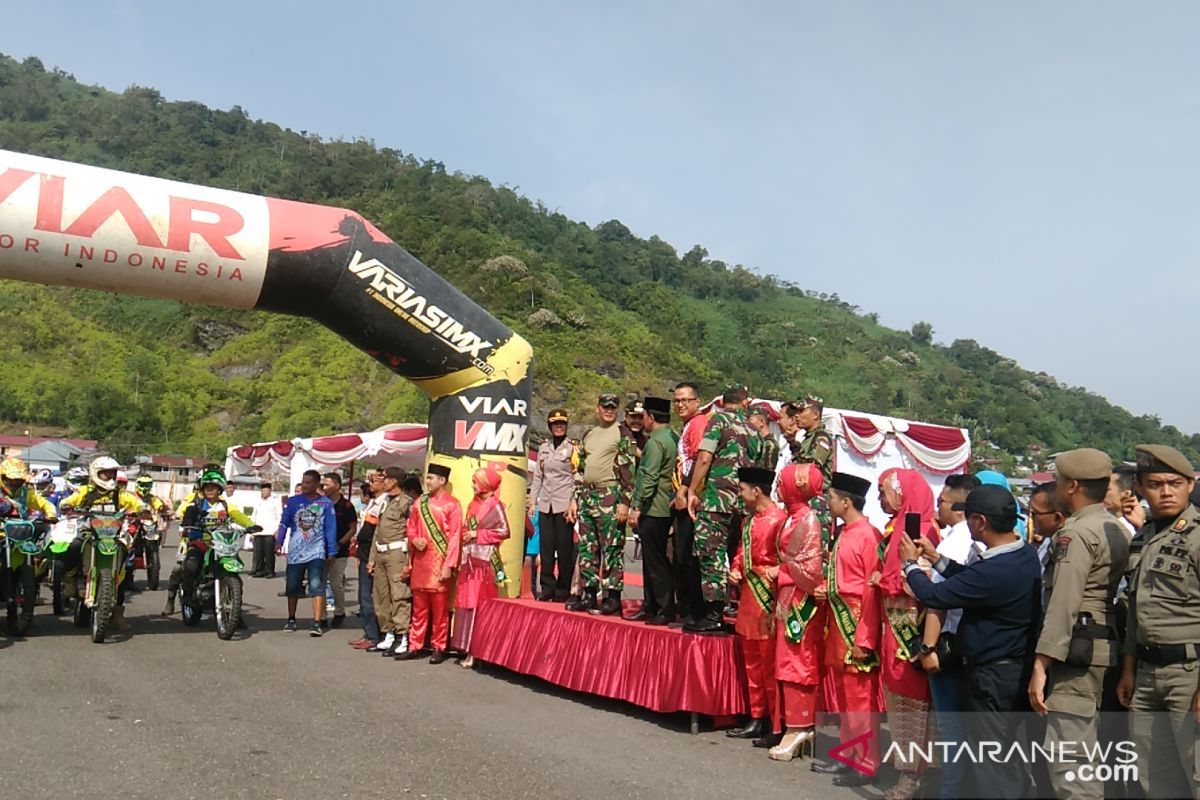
73, 225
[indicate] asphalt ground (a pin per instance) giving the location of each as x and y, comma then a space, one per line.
171, 711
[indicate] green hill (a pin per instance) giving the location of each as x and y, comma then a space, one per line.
604, 309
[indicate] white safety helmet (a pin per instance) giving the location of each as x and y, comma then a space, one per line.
103, 464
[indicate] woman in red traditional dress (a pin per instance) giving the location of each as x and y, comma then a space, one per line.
487, 527
799, 609
901, 492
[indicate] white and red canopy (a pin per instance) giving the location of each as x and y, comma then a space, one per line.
402, 445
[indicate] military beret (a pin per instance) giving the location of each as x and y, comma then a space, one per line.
1084, 464
756, 476
735, 393
1161, 458
846, 483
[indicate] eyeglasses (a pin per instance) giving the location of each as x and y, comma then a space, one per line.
1033, 512
680, 400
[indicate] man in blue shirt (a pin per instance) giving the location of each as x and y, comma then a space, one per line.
311, 549
1000, 595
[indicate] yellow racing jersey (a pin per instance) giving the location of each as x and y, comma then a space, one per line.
34, 502
105, 502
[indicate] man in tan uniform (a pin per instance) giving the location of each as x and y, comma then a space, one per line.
1161, 661
1078, 641
388, 564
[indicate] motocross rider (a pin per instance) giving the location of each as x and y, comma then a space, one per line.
14, 488
144, 487
206, 510
104, 495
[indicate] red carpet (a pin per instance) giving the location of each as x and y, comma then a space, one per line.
662, 669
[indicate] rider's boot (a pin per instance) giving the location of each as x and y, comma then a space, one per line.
119, 622
170, 609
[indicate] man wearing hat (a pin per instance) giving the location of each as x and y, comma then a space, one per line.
756, 569
1078, 641
604, 466
1162, 638
633, 427
729, 444
651, 511
855, 618
998, 595
815, 448
435, 540
550, 493
388, 563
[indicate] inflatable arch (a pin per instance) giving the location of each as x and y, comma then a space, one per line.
73, 225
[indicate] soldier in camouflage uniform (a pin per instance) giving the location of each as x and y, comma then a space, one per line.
768, 454
815, 448
604, 470
713, 499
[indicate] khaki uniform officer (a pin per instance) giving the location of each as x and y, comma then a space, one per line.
1159, 680
1078, 643
389, 565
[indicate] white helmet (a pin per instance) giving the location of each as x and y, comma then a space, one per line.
103, 464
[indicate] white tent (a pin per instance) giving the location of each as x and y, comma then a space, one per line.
400, 444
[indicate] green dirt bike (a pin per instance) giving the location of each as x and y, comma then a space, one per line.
54, 568
105, 544
219, 585
24, 541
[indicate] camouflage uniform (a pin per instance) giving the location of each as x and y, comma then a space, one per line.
768, 454
733, 444
817, 448
601, 538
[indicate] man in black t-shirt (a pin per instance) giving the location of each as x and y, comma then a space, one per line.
347, 523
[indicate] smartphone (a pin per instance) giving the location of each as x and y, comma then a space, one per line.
912, 525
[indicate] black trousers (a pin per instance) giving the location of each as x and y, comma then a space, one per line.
659, 591
264, 556
689, 600
558, 547
992, 694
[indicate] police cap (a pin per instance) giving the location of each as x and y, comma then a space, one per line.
1084, 464
1161, 458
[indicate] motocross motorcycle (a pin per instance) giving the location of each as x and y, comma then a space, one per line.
61, 536
144, 552
105, 545
218, 587
23, 541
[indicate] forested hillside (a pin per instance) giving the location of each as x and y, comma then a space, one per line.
604, 309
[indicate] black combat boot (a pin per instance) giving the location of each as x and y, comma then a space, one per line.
713, 620
609, 605
585, 603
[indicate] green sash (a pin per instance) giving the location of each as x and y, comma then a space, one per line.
843, 617
797, 619
759, 587
496, 562
435, 531
906, 632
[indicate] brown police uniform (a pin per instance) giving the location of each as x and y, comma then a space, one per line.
1163, 633
1086, 564
389, 554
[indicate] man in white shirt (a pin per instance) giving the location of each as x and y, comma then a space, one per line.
945, 678
266, 516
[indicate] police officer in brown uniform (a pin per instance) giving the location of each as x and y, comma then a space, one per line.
1078, 640
1161, 662
388, 563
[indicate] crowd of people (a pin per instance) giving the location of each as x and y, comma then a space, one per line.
966, 610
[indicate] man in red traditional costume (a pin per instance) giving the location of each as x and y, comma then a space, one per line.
799, 609
852, 643
755, 568
903, 492
482, 569
435, 546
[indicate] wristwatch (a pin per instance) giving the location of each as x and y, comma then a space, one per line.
926, 649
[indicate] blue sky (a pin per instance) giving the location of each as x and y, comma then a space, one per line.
1023, 174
